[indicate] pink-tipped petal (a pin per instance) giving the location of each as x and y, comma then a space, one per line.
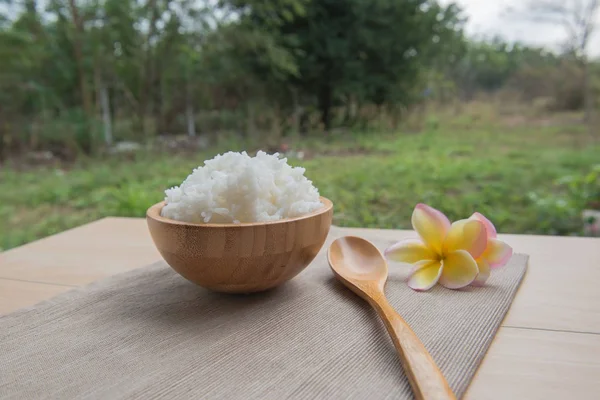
466, 234
489, 227
425, 275
459, 269
409, 251
431, 225
497, 253
484, 273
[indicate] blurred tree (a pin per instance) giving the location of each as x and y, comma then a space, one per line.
488, 65
578, 19
368, 50
77, 72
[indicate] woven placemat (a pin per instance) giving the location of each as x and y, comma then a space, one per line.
151, 334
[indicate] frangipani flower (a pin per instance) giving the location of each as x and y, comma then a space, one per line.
496, 254
449, 253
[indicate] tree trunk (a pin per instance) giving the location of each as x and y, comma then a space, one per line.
147, 75
304, 121
189, 113
276, 122
325, 100
191, 124
347, 111
296, 113
588, 97
250, 121
97, 85
105, 105
162, 105
350, 111
395, 114
78, 49
3, 140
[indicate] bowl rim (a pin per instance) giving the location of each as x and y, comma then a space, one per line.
153, 212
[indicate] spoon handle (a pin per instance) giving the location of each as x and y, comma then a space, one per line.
426, 379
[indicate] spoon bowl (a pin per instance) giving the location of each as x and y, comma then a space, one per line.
358, 263
360, 266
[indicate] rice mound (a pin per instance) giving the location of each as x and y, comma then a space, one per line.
234, 187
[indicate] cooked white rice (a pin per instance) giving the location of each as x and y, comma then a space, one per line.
234, 188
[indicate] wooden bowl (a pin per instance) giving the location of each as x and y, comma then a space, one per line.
240, 258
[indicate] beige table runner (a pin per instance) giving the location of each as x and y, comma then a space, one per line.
151, 334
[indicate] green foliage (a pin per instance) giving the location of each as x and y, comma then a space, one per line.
367, 50
489, 65
560, 212
556, 215
282, 65
374, 179
584, 188
157, 61
252, 71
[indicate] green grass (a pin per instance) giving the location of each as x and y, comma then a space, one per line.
460, 165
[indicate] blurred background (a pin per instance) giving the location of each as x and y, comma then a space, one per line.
467, 106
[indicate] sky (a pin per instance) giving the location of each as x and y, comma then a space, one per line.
489, 17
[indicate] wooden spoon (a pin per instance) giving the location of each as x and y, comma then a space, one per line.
359, 265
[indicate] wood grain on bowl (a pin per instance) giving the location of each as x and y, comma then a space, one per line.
240, 258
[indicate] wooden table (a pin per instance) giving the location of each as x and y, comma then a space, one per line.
547, 348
